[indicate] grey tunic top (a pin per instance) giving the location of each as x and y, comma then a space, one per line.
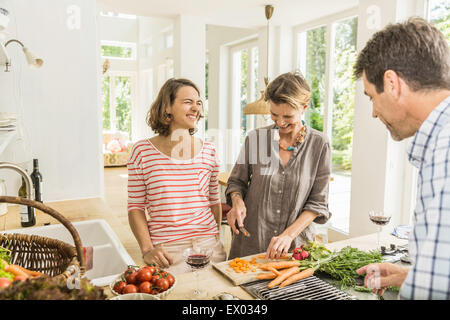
275, 196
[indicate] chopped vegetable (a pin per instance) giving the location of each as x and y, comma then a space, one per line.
241, 265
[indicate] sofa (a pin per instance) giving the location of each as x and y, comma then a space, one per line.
116, 148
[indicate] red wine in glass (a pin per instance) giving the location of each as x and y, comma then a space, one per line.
380, 220
197, 261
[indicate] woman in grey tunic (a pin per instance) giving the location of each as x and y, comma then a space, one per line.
279, 184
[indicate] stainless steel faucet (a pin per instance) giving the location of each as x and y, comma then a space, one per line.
23, 173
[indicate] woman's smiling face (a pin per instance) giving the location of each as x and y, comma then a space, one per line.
286, 117
186, 108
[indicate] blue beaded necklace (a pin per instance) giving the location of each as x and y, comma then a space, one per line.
300, 137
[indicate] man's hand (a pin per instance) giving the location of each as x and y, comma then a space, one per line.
380, 276
158, 256
237, 213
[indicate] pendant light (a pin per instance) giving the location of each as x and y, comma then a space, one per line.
261, 106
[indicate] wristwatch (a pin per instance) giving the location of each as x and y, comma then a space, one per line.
235, 194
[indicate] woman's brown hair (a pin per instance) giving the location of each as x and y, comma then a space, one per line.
290, 88
157, 117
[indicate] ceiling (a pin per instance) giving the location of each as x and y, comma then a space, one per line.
233, 13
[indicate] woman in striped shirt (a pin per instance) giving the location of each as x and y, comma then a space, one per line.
173, 177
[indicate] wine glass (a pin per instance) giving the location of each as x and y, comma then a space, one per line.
197, 258
381, 219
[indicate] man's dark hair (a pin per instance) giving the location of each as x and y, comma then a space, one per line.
416, 50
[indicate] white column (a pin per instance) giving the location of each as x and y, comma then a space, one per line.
379, 164
190, 53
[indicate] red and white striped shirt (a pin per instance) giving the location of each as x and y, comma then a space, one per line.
176, 193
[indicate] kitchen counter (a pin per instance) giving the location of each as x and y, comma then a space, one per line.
216, 283
78, 210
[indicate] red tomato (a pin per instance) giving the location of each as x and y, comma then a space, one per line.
163, 274
151, 269
131, 278
145, 287
20, 278
4, 283
144, 275
130, 288
171, 279
162, 283
155, 278
118, 287
129, 270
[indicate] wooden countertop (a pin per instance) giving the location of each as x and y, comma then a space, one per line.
223, 178
210, 278
217, 283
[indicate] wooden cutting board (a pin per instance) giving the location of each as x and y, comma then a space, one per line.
242, 278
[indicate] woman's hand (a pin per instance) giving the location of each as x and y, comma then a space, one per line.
237, 213
158, 256
278, 246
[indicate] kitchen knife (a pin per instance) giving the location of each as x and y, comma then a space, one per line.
244, 232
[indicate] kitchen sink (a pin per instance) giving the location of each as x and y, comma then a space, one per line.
110, 257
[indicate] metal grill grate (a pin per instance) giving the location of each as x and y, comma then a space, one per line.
311, 288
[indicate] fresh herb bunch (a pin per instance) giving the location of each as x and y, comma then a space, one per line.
340, 265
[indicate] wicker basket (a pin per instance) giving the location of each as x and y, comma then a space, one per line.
50, 256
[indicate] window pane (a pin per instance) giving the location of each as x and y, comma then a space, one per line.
315, 75
243, 91
123, 104
439, 15
344, 57
116, 52
255, 65
105, 103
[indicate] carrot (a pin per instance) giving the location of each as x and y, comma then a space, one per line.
280, 265
14, 269
265, 276
275, 271
283, 276
297, 276
31, 273
263, 256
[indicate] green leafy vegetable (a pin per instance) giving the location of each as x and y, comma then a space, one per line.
340, 265
45, 288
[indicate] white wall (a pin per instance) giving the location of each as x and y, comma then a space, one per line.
59, 103
150, 31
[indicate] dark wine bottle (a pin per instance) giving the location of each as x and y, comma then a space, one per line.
36, 177
27, 214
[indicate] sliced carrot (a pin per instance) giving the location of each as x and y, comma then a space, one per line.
297, 276
283, 276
